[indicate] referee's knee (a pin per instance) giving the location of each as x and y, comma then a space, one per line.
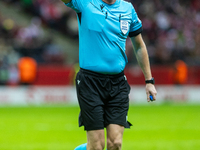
114, 144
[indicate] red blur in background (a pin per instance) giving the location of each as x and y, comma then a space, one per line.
64, 75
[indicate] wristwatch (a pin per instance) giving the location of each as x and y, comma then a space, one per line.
152, 81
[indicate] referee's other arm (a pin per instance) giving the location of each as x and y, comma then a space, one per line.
66, 1
143, 60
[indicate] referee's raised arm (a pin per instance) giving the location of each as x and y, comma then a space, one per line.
66, 1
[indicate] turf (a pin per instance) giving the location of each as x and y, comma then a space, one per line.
155, 127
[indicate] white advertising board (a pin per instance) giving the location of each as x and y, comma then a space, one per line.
37, 95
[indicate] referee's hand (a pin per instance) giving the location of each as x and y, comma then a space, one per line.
151, 90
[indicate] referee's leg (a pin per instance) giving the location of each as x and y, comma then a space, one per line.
114, 136
95, 139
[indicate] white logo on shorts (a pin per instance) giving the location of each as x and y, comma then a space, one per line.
78, 81
125, 77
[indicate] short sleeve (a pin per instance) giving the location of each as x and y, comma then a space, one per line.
136, 24
76, 5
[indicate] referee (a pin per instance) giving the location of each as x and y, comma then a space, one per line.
102, 88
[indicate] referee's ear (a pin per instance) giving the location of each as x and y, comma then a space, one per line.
66, 1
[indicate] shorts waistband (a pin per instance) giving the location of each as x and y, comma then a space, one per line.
101, 75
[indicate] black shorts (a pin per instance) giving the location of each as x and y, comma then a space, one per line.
103, 99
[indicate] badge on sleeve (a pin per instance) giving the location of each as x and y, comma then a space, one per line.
124, 26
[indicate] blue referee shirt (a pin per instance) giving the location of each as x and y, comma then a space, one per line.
103, 30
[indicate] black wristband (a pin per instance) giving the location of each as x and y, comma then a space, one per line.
152, 81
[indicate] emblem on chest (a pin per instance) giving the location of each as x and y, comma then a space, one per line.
124, 26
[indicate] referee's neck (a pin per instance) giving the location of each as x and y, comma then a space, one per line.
109, 1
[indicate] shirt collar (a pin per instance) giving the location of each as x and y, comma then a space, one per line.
116, 4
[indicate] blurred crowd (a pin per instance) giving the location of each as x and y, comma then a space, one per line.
52, 13
171, 31
17, 42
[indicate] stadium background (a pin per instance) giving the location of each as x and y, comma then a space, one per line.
47, 32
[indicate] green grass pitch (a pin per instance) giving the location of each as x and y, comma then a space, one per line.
155, 127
